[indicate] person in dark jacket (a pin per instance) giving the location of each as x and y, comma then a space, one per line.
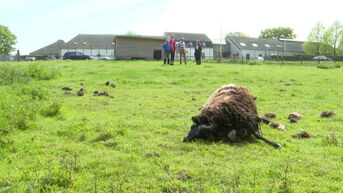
166, 52
197, 52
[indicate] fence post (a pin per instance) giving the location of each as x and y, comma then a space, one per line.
18, 55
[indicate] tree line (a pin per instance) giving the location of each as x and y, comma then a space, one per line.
325, 41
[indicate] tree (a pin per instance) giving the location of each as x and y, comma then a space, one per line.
7, 40
315, 40
237, 34
278, 33
130, 33
333, 36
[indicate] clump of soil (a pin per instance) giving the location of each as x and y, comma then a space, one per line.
67, 88
303, 134
269, 115
326, 114
81, 92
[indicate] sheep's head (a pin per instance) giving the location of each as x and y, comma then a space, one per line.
198, 131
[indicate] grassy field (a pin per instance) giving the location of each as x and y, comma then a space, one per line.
52, 141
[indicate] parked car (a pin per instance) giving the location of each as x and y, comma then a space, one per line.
76, 56
104, 57
30, 58
321, 58
260, 58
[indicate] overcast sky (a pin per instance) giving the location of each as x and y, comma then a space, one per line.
37, 23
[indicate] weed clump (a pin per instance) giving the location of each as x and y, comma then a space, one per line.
103, 136
15, 112
330, 139
39, 72
52, 109
50, 180
10, 74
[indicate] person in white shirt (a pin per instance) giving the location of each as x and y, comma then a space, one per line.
182, 50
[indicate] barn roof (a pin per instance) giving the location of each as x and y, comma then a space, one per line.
141, 37
189, 36
96, 41
51, 49
249, 43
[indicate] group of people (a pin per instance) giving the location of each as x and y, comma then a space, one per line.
170, 46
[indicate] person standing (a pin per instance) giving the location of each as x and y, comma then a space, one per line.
182, 50
172, 44
166, 52
197, 52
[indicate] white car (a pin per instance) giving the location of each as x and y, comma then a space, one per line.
260, 58
104, 58
30, 58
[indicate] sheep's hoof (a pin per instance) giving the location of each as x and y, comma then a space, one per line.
277, 146
184, 139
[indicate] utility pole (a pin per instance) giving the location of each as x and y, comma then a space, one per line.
220, 41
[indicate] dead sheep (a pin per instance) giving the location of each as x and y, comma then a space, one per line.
229, 114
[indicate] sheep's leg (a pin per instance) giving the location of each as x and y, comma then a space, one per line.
258, 135
272, 124
264, 120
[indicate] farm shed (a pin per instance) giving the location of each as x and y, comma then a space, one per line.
92, 44
129, 47
53, 49
249, 48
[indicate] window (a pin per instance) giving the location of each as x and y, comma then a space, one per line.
204, 44
267, 45
242, 44
254, 44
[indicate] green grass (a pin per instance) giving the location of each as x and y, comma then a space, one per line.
131, 143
